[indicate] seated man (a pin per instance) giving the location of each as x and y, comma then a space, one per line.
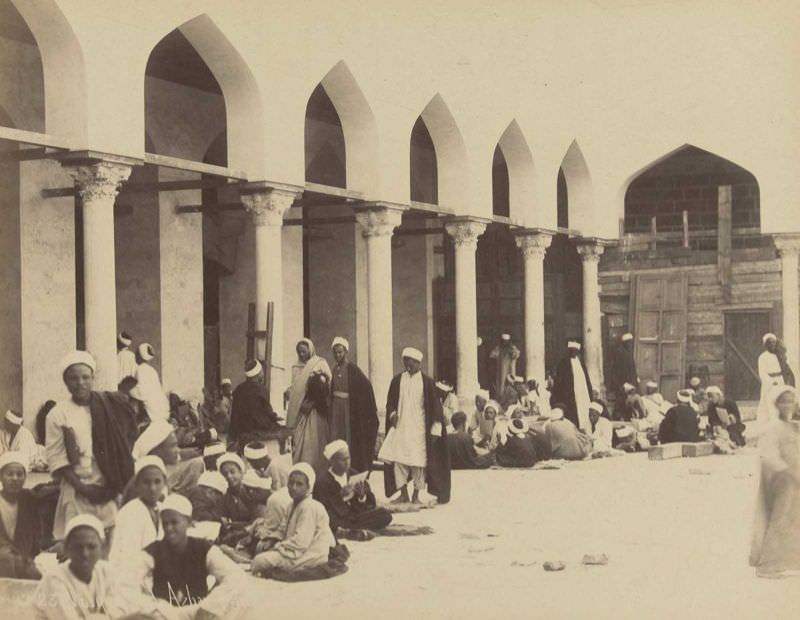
208, 496
276, 469
481, 398
510, 394
566, 440
20, 532
448, 399
602, 429
681, 421
461, 446
350, 507
723, 413
633, 407
485, 421
654, 405
517, 448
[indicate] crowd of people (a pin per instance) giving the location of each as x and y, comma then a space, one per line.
160, 507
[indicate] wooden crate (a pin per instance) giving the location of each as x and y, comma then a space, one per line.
705, 448
665, 451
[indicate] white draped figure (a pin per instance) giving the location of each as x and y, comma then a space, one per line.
769, 372
582, 396
148, 388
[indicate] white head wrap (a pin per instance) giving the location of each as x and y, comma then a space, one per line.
685, 396
518, 426
13, 417
253, 453
146, 351
555, 414
178, 503
231, 457
484, 394
254, 481
226, 381
624, 431
414, 354
334, 447
652, 384
78, 357
124, 339
766, 337
505, 336
213, 480
594, 406
444, 386
494, 406
694, 381
149, 461
85, 520
213, 449
255, 370
627, 336
340, 341
307, 471
574, 345
16, 457
628, 387
713, 389
151, 438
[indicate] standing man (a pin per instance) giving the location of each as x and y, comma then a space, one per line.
572, 388
148, 389
252, 417
770, 373
505, 355
416, 439
126, 359
354, 413
623, 368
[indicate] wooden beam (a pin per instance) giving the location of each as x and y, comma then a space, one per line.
194, 166
33, 137
724, 239
404, 232
210, 207
141, 188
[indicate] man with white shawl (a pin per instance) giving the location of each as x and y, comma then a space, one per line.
572, 388
308, 362
770, 374
148, 388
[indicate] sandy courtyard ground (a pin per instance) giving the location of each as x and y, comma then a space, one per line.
676, 532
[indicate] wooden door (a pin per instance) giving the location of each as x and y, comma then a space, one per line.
743, 332
659, 320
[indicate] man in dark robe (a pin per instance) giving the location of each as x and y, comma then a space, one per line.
681, 422
252, 417
436, 469
724, 413
461, 446
354, 413
573, 396
350, 506
622, 368
517, 448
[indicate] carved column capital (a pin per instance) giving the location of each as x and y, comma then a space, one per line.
591, 251
379, 221
465, 232
99, 180
268, 205
534, 244
787, 245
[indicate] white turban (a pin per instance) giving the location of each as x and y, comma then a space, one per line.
151, 438
124, 339
13, 417
694, 381
340, 341
627, 336
213, 480
226, 381
17, 458
78, 357
307, 471
769, 336
146, 351
652, 384
594, 406
213, 449
444, 386
574, 345
414, 354
334, 447
628, 387
85, 520
253, 453
713, 389
518, 426
254, 370
254, 481
555, 414
484, 394
505, 336
685, 396
230, 457
149, 461
178, 503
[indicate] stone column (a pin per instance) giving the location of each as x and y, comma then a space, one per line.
267, 206
378, 223
465, 233
534, 244
590, 251
98, 183
788, 249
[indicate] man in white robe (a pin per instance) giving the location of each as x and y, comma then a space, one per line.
126, 359
14, 437
770, 374
149, 389
603, 429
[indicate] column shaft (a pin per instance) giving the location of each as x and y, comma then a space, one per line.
533, 246
788, 248
592, 336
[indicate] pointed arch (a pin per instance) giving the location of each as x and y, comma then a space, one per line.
451, 154
521, 171
578, 185
66, 100
243, 104
359, 128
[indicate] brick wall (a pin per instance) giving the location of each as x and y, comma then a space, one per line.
688, 181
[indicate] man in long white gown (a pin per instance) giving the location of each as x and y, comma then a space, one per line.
770, 374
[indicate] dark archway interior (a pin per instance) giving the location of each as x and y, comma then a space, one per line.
424, 172
326, 161
500, 184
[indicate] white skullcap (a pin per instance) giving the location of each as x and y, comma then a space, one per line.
484, 394
226, 381
594, 406
334, 447
651, 384
151, 438
146, 351
340, 341
125, 339
254, 481
213, 449
511, 378
253, 369
149, 460
505, 336
307, 471
178, 503
685, 396
574, 345
694, 381
624, 431
254, 452
480, 341
713, 389
769, 336
444, 386
85, 520
627, 336
494, 406
230, 457
213, 480
627, 387
518, 426
16, 457
78, 357
555, 413
13, 417
414, 354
